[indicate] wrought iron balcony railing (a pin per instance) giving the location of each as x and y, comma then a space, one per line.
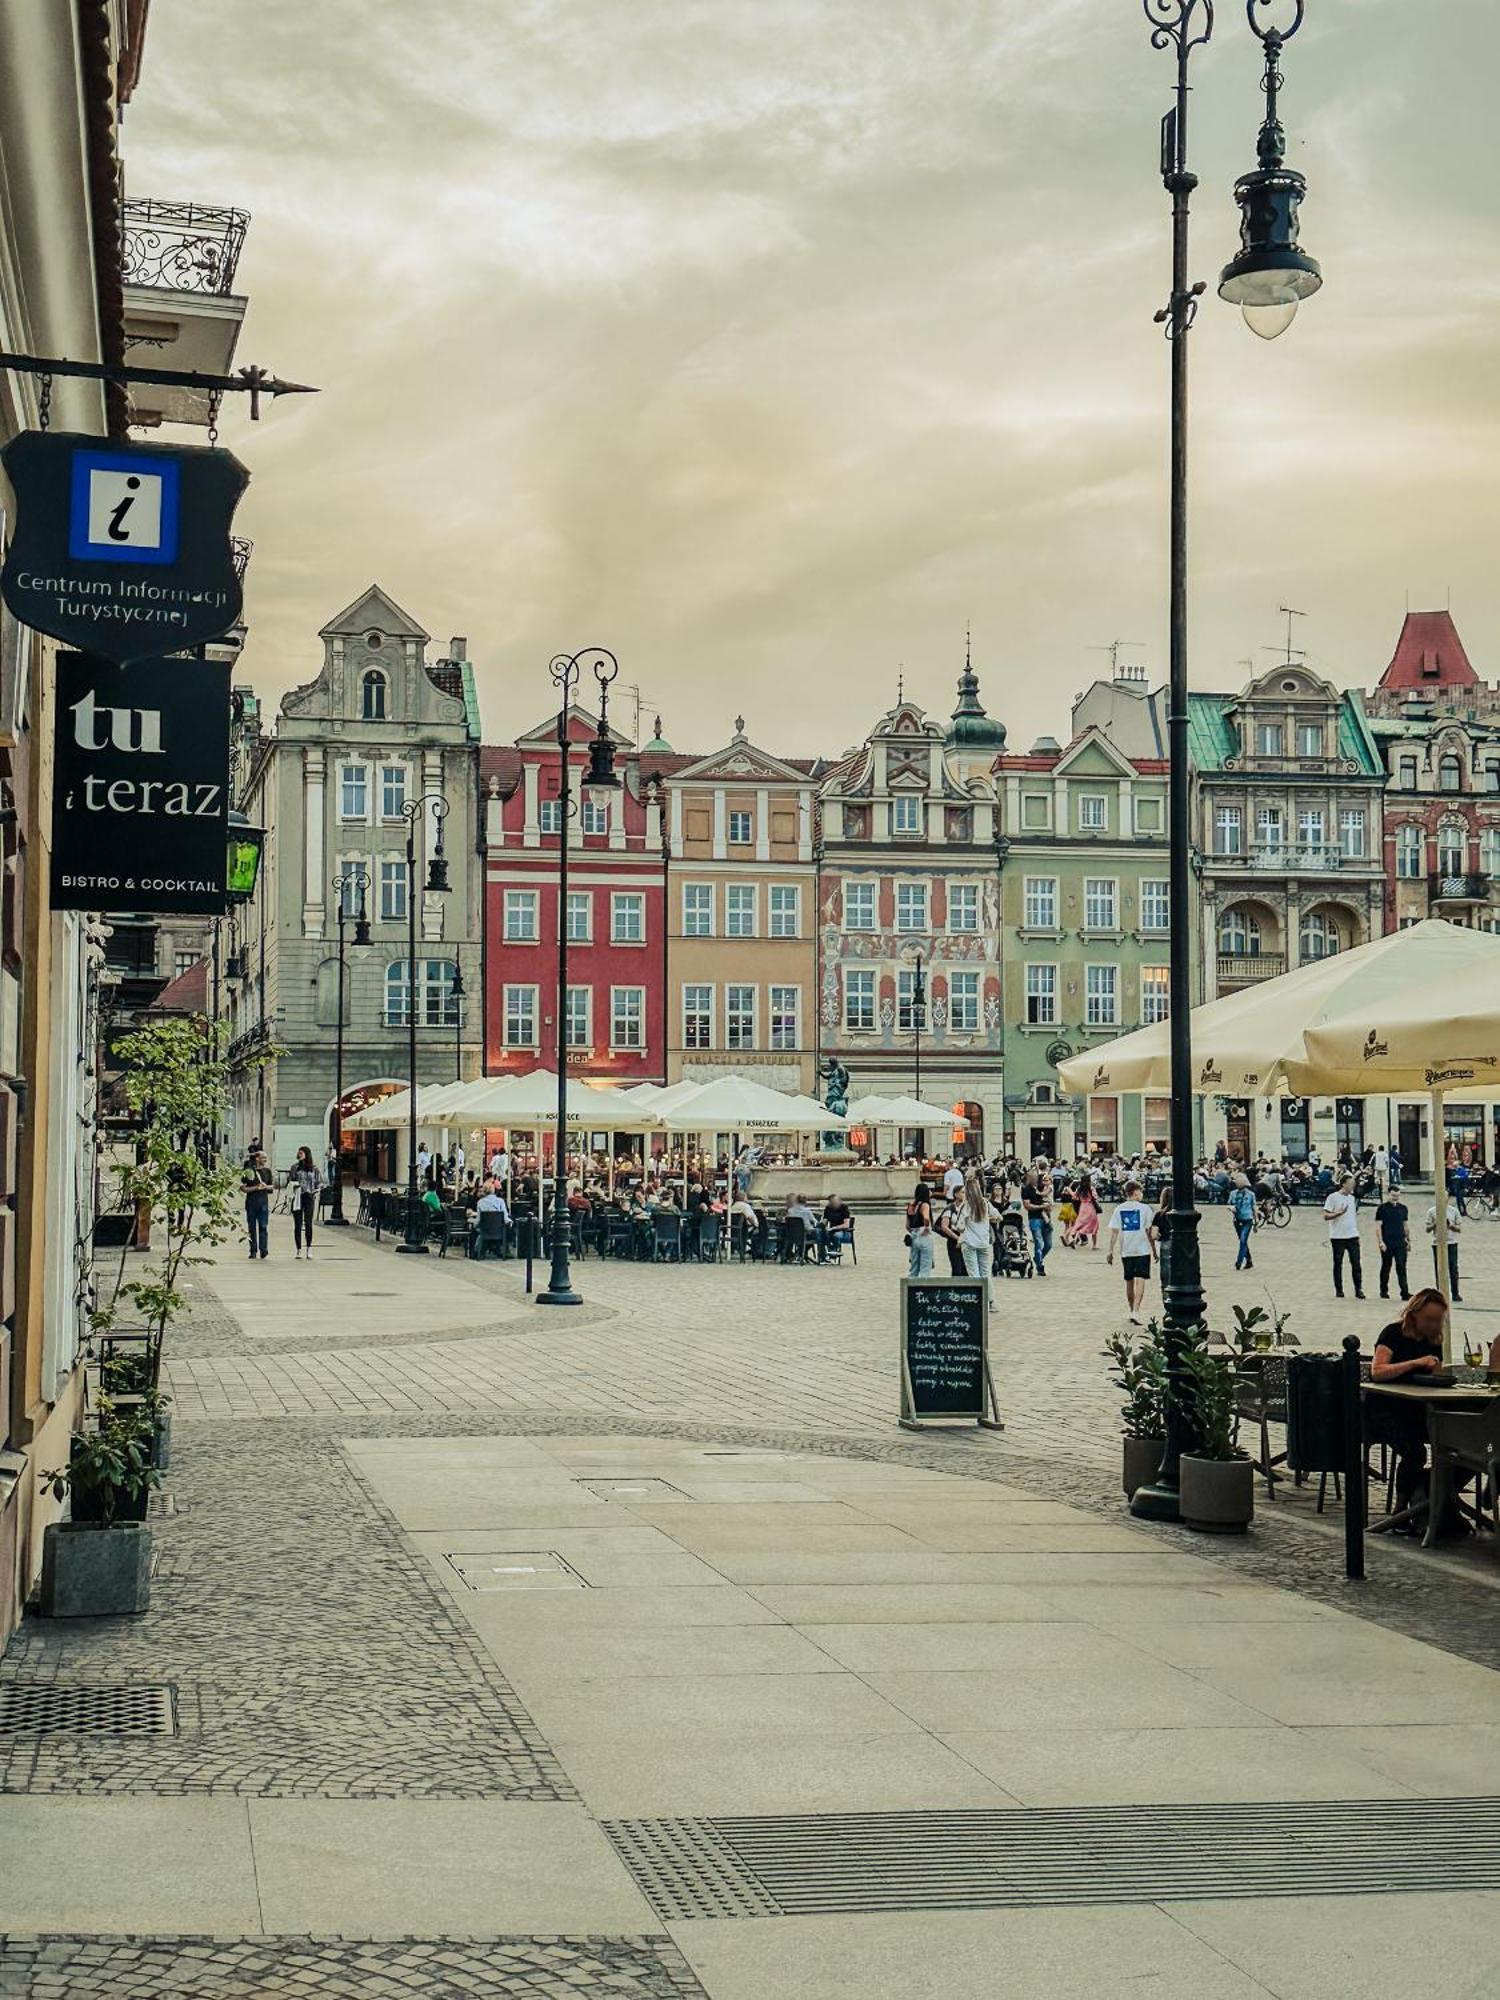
1460, 888
181, 246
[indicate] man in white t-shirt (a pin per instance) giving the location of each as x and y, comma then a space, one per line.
1132, 1234
500, 1165
1341, 1213
1455, 1225
953, 1181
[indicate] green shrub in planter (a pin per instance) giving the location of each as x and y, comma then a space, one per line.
1140, 1373
1217, 1481
111, 1467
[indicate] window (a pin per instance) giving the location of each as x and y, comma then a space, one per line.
963, 1002
576, 1019
1101, 995
911, 1010
1309, 739
859, 906
1239, 934
392, 790
1492, 774
1489, 850
627, 918
595, 816
1099, 903
354, 792
1270, 739
697, 1017
549, 815
1093, 812
1452, 850
520, 916
784, 1012
739, 1017
393, 881
1229, 829
1039, 902
963, 907
1352, 832
859, 999
1041, 995
627, 1017
1319, 936
356, 883
741, 831
786, 911
1310, 826
183, 961
1036, 811
1406, 773
1148, 815
1156, 903
906, 815
1270, 826
1450, 774
436, 1004
520, 1017
911, 906
1156, 993
697, 909
372, 697
580, 916
739, 910
1409, 846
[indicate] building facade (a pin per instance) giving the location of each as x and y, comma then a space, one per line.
380, 727
908, 937
1086, 922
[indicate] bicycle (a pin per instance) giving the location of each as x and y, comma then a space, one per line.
1275, 1213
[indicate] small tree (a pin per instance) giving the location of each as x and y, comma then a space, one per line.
177, 1082
1141, 1375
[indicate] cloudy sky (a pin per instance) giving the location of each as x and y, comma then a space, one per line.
771, 344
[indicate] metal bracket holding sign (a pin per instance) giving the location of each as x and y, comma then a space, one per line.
945, 1354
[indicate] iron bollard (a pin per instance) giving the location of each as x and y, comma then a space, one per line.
1354, 1464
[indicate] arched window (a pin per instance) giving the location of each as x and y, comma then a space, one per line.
372, 696
1319, 936
1450, 774
1239, 934
326, 994
436, 1005
1409, 852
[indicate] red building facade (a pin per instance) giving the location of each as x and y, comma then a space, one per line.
615, 915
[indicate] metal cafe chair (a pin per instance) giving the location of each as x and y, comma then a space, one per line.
710, 1243
1465, 1444
666, 1232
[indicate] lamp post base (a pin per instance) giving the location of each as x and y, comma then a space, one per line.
411, 1249
1156, 1503
551, 1298
335, 1220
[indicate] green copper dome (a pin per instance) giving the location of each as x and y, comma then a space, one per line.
972, 729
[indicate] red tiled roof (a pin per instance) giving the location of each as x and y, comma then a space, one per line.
187, 993
1429, 655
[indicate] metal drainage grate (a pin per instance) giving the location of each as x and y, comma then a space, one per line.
511, 1569
831, 1864
633, 1489
139, 1708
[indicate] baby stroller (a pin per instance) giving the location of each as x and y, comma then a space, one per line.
1012, 1245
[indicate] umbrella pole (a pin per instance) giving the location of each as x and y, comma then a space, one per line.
1440, 1217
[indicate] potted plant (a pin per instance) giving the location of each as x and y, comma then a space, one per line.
1140, 1373
98, 1564
1217, 1480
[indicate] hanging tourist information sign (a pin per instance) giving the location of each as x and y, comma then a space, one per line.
122, 550
140, 801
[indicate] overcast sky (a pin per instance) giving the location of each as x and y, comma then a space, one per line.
769, 345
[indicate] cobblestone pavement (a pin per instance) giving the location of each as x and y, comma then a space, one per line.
222, 1968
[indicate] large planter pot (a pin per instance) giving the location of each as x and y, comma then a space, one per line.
1142, 1462
1217, 1494
91, 1572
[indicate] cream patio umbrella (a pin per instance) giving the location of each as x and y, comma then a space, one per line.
734, 1104
905, 1111
1418, 1010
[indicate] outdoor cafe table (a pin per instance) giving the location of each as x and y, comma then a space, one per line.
1432, 1402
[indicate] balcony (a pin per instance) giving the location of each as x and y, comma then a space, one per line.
181, 308
1248, 969
1288, 857
1460, 888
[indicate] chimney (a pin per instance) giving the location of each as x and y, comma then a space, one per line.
458, 649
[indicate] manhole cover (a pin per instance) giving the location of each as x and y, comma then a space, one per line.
509, 1569
140, 1709
633, 1489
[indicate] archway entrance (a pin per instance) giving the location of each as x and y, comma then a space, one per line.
368, 1153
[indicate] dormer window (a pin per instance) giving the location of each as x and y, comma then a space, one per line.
1450, 774
906, 815
372, 696
1270, 738
1309, 739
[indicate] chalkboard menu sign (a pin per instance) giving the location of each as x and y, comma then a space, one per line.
945, 1364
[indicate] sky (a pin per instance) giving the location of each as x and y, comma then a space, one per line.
772, 346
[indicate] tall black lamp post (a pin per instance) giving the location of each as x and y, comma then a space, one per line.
415, 1241
1266, 280
349, 887
918, 1018
599, 783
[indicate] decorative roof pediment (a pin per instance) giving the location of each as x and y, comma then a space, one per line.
741, 762
374, 611
1092, 754
582, 728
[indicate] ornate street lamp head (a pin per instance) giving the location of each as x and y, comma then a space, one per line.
1272, 274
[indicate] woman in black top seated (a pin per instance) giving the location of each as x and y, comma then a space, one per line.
1409, 1350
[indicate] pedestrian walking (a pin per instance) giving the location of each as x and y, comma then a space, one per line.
1131, 1233
919, 1237
1036, 1200
950, 1227
1393, 1229
1242, 1209
305, 1181
977, 1236
1395, 1166
1455, 1224
1341, 1213
256, 1183
1382, 1169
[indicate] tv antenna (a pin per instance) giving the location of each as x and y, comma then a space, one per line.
1114, 649
1292, 652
